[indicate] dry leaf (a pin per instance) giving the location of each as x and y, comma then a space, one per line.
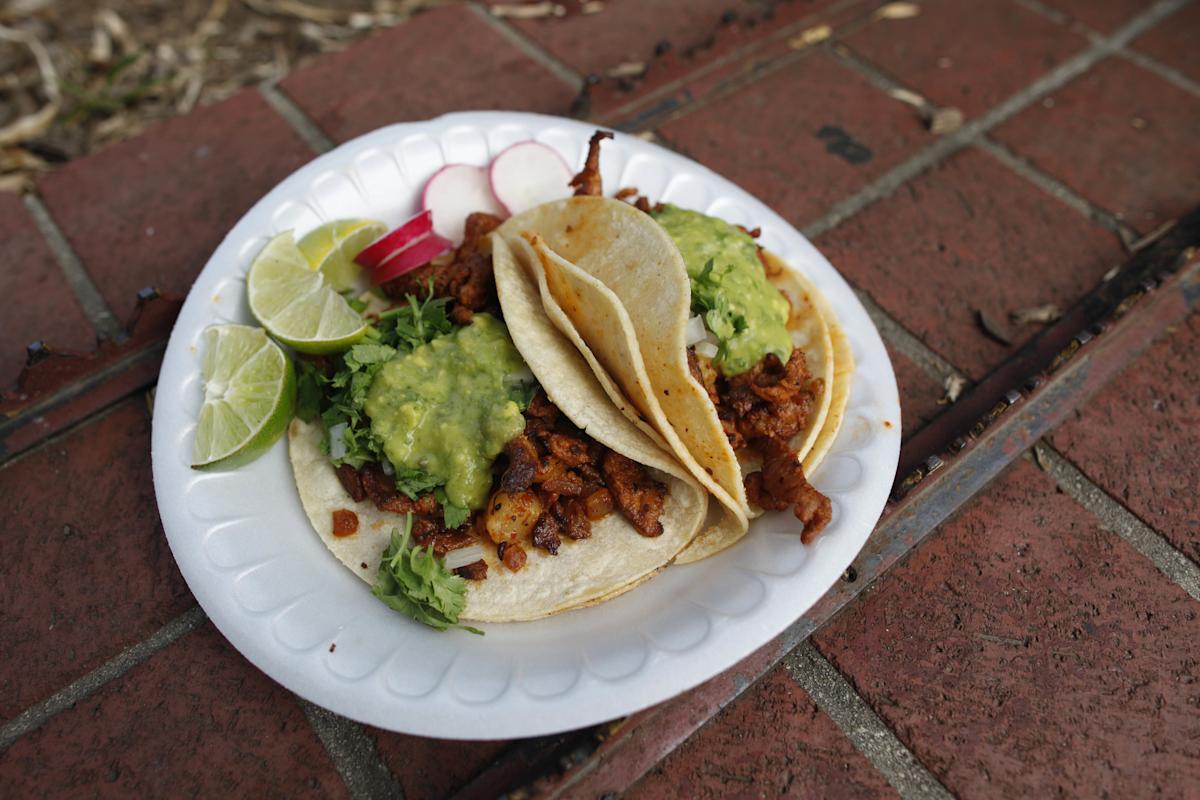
628, 69
1041, 457
992, 328
1046, 313
531, 11
953, 386
897, 11
592, 7
295, 8
115, 26
809, 37
1112, 273
17, 182
908, 97
945, 120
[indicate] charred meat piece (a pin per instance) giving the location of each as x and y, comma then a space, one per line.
771, 399
781, 485
565, 483
639, 496
383, 493
351, 481
475, 571
466, 277
587, 181
577, 524
522, 464
571, 451
547, 533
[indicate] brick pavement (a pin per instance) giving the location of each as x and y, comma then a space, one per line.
1035, 643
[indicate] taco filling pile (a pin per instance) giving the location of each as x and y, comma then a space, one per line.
533, 418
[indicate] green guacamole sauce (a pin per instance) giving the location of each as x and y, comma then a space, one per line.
445, 408
746, 314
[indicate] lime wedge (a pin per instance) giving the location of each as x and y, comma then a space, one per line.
297, 305
332, 247
249, 396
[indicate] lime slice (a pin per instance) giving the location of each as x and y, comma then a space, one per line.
332, 247
297, 305
249, 396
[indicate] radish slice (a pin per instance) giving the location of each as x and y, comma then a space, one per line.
389, 244
417, 254
527, 175
453, 193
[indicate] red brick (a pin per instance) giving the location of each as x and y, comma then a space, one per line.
628, 31
151, 210
1172, 41
1120, 136
766, 138
86, 570
968, 55
196, 720
967, 235
1025, 651
1103, 15
447, 59
1140, 438
771, 741
433, 768
38, 302
919, 394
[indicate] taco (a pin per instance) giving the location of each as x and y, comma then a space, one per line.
479, 429
719, 346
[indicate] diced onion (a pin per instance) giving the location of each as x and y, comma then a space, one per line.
524, 376
463, 556
706, 349
387, 467
337, 441
695, 331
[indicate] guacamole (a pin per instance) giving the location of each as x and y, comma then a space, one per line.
445, 408
746, 314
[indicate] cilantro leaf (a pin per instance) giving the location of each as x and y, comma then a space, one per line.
711, 303
416, 482
411, 325
416, 583
454, 516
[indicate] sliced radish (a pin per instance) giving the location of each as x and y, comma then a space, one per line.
527, 175
455, 192
387, 245
417, 254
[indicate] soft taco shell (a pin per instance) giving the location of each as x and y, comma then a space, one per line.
621, 280
616, 557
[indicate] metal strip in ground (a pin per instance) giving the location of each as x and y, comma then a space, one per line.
294, 116
95, 308
870, 735
353, 753
523, 43
33, 718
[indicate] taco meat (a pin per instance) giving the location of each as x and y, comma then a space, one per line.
639, 496
781, 485
587, 181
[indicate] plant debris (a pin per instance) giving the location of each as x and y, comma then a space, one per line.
897, 11
627, 69
1035, 314
76, 76
529, 11
945, 120
992, 328
810, 36
953, 385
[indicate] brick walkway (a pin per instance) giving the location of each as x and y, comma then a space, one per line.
1024, 621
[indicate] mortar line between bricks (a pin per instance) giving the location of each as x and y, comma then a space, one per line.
294, 116
937, 152
1120, 520
869, 734
746, 50
1169, 74
519, 40
90, 300
353, 754
1057, 189
34, 717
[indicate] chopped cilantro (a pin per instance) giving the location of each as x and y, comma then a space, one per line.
709, 301
416, 583
453, 515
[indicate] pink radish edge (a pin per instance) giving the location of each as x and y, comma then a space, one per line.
528, 174
390, 243
417, 254
453, 193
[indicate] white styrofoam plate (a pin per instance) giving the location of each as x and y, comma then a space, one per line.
264, 578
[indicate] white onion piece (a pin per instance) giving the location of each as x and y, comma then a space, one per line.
387, 467
524, 376
337, 441
706, 349
463, 556
695, 330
